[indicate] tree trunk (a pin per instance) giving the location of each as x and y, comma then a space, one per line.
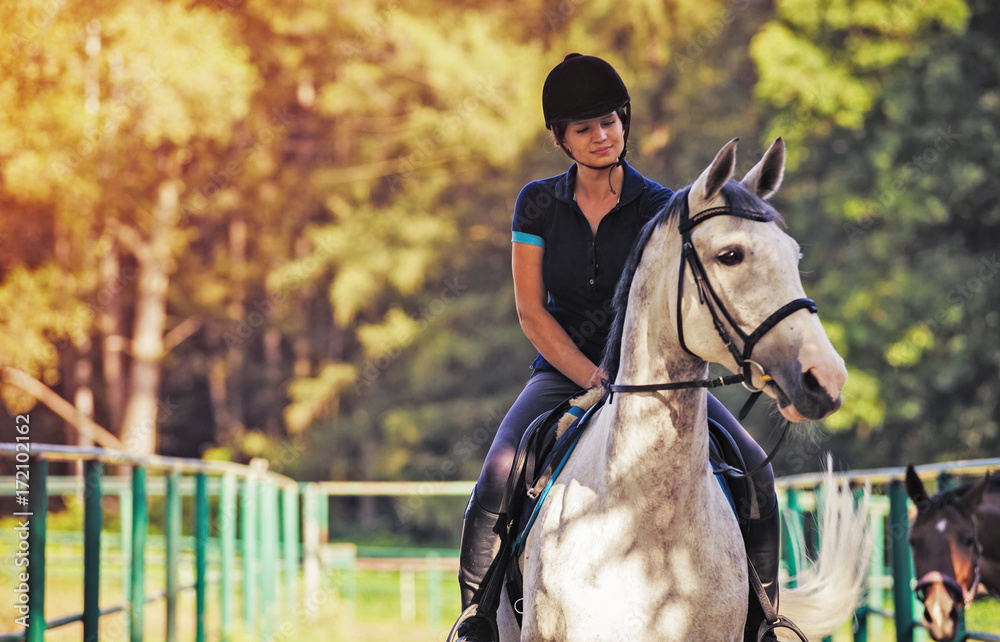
139, 429
226, 428
111, 326
236, 356
83, 396
272, 371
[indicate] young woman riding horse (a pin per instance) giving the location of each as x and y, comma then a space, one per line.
572, 235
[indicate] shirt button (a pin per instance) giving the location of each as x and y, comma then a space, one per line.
592, 281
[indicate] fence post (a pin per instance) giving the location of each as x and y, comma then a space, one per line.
290, 540
125, 500
248, 522
93, 520
227, 546
899, 527
140, 519
876, 573
310, 541
792, 534
36, 521
172, 534
267, 524
434, 597
200, 551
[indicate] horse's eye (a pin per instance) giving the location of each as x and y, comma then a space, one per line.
731, 257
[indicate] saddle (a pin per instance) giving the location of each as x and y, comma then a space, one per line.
541, 454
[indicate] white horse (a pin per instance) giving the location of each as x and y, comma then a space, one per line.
635, 539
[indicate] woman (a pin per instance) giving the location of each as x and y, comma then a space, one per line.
572, 234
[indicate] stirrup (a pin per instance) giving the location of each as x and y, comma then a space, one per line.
471, 613
772, 620
779, 622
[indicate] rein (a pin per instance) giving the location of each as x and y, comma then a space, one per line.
717, 308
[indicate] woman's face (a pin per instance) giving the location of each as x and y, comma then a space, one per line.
597, 141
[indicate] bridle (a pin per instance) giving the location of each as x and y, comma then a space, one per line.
717, 308
950, 583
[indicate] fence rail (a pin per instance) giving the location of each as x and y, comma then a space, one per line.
263, 529
251, 492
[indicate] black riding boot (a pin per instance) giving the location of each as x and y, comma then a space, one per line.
762, 542
479, 546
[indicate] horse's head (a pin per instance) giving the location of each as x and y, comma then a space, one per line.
945, 552
753, 266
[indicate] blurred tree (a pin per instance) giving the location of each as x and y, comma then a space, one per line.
99, 129
893, 109
282, 229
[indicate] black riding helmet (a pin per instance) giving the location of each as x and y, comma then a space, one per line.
584, 87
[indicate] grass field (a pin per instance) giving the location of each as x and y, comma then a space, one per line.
351, 605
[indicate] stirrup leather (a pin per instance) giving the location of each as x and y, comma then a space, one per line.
772, 620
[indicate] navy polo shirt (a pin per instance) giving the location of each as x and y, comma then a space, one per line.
581, 269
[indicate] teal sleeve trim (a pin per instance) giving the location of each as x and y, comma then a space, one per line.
529, 239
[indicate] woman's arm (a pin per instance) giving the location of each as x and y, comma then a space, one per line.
539, 326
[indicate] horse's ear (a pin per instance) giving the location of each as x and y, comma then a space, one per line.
707, 186
972, 497
765, 177
915, 488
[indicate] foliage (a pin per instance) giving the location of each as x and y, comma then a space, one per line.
904, 255
312, 201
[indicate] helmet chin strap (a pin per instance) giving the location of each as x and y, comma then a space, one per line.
610, 168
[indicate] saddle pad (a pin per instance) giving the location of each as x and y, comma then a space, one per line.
552, 466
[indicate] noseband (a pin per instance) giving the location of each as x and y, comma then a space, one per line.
708, 296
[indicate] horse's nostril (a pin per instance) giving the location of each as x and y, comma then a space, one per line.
811, 382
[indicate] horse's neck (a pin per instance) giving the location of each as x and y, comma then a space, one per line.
659, 440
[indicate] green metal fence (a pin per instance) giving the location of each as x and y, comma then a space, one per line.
889, 527
268, 535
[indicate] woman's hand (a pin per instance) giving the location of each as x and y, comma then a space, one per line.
598, 377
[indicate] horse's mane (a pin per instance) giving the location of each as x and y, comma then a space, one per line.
951, 496
736, 197
940, 500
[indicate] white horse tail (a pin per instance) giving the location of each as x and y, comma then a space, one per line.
828, 590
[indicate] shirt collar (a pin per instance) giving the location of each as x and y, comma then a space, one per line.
632, 185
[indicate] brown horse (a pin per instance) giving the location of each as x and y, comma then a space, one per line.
955, 540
